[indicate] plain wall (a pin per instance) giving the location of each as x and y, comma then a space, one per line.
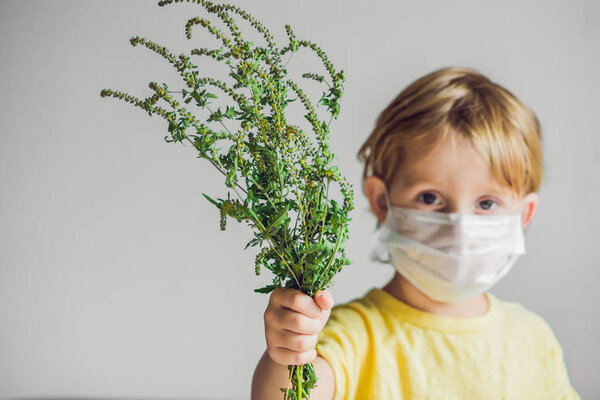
115, 279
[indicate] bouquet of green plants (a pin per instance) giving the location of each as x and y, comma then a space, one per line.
279, 179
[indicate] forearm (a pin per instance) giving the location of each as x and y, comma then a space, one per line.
268, 378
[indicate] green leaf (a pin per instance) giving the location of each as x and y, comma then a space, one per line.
254, 65
215, 116
237, 77
220, 135
290, 394
315, 247
211, 200
266, 289
256, 89
197, 97
279, 218
229, 113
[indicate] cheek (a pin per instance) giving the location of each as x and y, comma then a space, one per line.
400, 196
516, 206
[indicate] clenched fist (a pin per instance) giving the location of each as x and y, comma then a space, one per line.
293, 321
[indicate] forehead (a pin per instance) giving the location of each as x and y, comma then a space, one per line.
453, 162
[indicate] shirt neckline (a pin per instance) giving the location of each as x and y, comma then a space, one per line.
424, 319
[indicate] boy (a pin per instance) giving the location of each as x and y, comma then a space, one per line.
451, 173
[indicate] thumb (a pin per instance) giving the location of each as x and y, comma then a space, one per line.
324, 299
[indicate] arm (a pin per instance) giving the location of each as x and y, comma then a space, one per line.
270, 376
293, 321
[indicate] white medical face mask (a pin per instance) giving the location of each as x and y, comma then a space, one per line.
450, 256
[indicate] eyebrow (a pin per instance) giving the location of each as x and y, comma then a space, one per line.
416, 180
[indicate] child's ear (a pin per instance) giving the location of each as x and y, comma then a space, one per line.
529, 206
374, 189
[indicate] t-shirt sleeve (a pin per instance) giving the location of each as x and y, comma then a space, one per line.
342, 343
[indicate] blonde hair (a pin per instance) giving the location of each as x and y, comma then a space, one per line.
458, 100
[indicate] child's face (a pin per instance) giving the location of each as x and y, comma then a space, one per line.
453, 178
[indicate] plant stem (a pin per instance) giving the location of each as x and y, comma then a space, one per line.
324, 214
274, 245
299, 381
219, 167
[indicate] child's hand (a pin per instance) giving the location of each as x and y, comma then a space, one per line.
293, 321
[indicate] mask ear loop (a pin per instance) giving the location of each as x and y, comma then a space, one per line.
521, 217
521, 209
381, 253
388, 202
388, 205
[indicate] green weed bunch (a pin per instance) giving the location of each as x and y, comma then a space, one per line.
280, 180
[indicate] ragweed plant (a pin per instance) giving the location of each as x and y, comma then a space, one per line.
280, 180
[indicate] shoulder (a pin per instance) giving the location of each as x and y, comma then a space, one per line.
356, 313
517, 313
534, 333
517, 318
350, 324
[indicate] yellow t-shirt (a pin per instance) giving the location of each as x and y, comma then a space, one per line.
382, 348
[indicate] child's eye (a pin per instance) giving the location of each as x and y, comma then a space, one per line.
428, 198
487, 204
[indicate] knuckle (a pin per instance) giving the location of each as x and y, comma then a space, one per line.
296, 301
304, 343
297, 323
298, 343
279, 291
315, 327
275, 295
267, 316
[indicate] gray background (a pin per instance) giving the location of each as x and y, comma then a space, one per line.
115, 279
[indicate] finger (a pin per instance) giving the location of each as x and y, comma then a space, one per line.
302, 303
324, 318
324, 299
298, 323
296, 342
276, 294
